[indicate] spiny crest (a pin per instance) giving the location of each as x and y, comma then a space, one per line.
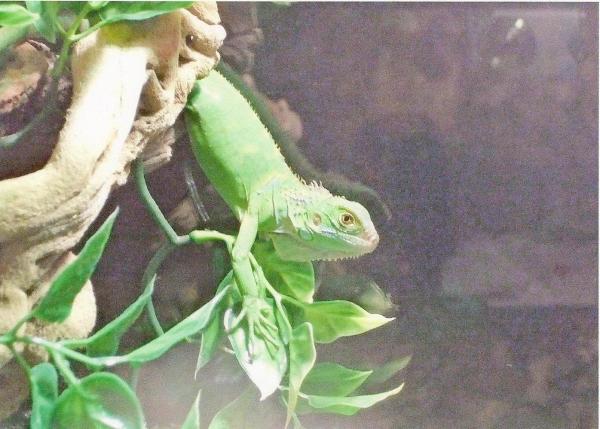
308, 193
318, 189
253, 109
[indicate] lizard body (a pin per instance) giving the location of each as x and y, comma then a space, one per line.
304, 221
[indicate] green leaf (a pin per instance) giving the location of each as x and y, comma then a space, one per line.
135, 11
387, 371
302, 359
211, 338
334, 319
235, 414
56, 305
99, 401
106, 341
347, 405
47, 11
295, 279
267, 363
44, 391
95, 5
213, 334
189, 326
12, 14
332, 379
192, 421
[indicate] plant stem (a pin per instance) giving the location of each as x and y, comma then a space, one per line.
15, 329
72, 354
152, 207
69, 39
174, 242
151, 270
20, 360
134, 377
63, 367
205, 235
89, 31
12, 139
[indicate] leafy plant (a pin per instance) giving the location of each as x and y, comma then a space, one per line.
102, 398
272, 333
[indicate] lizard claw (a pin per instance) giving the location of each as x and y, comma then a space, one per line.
257, 313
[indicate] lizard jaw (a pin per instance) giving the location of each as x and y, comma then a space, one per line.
292, 248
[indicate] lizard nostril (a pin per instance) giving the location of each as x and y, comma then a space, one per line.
372, 237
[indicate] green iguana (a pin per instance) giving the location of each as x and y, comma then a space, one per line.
304, 221
190, 212
234, 149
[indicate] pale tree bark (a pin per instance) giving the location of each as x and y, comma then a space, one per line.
130, 82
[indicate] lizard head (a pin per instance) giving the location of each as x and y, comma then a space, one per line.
322, 226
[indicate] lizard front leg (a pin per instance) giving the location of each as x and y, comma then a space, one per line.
240, 260
254, 310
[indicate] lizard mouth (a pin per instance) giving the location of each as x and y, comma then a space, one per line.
365, 243
294, 249
372, 240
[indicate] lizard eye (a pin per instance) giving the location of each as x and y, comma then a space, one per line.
316, 219
346, 219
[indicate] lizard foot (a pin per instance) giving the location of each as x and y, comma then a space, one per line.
259, 317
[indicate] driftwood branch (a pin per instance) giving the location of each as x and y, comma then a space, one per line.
130, 82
